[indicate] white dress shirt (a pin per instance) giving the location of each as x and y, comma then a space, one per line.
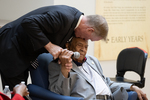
96, 80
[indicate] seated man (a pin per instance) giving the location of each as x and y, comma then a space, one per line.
85, 78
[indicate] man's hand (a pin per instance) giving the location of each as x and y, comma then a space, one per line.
65, 58
141, 94
65, 61
53, 49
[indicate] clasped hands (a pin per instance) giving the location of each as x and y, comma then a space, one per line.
65, 61
64, 56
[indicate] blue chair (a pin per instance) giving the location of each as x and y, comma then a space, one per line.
39, 87
39, 77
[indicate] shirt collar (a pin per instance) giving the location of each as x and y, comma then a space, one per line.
79, 21
79, 64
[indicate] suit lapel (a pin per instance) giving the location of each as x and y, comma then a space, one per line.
76, 69
67, 37
79, 72
92, 64
71, 30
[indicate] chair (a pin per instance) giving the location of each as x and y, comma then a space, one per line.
39, 77
131, 59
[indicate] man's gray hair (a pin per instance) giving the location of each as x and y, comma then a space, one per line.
99, 24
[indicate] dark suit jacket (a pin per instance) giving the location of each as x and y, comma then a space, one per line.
22, 40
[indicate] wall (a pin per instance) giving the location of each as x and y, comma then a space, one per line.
88, 7
12, 9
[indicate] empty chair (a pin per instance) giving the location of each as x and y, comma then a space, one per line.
131, 59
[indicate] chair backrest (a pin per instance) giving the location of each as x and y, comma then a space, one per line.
131, 59
39, 76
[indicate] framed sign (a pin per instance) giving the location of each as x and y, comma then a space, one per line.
129, 26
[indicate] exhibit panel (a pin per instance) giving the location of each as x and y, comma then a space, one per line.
128, 26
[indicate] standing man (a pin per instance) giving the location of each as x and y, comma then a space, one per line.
46, 29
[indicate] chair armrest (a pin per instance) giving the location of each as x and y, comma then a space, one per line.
45, 94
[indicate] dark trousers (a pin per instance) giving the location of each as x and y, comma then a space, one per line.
11, 82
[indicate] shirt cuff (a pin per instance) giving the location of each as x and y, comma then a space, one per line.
17, 97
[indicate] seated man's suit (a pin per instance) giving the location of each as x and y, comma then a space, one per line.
78, 85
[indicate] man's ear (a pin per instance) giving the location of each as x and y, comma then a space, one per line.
91, 29
67, 46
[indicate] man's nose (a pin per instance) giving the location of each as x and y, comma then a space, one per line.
83, 49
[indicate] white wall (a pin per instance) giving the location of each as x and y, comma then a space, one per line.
12, 9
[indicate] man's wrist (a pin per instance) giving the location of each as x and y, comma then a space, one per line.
133, 87
65, 73
48, 46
